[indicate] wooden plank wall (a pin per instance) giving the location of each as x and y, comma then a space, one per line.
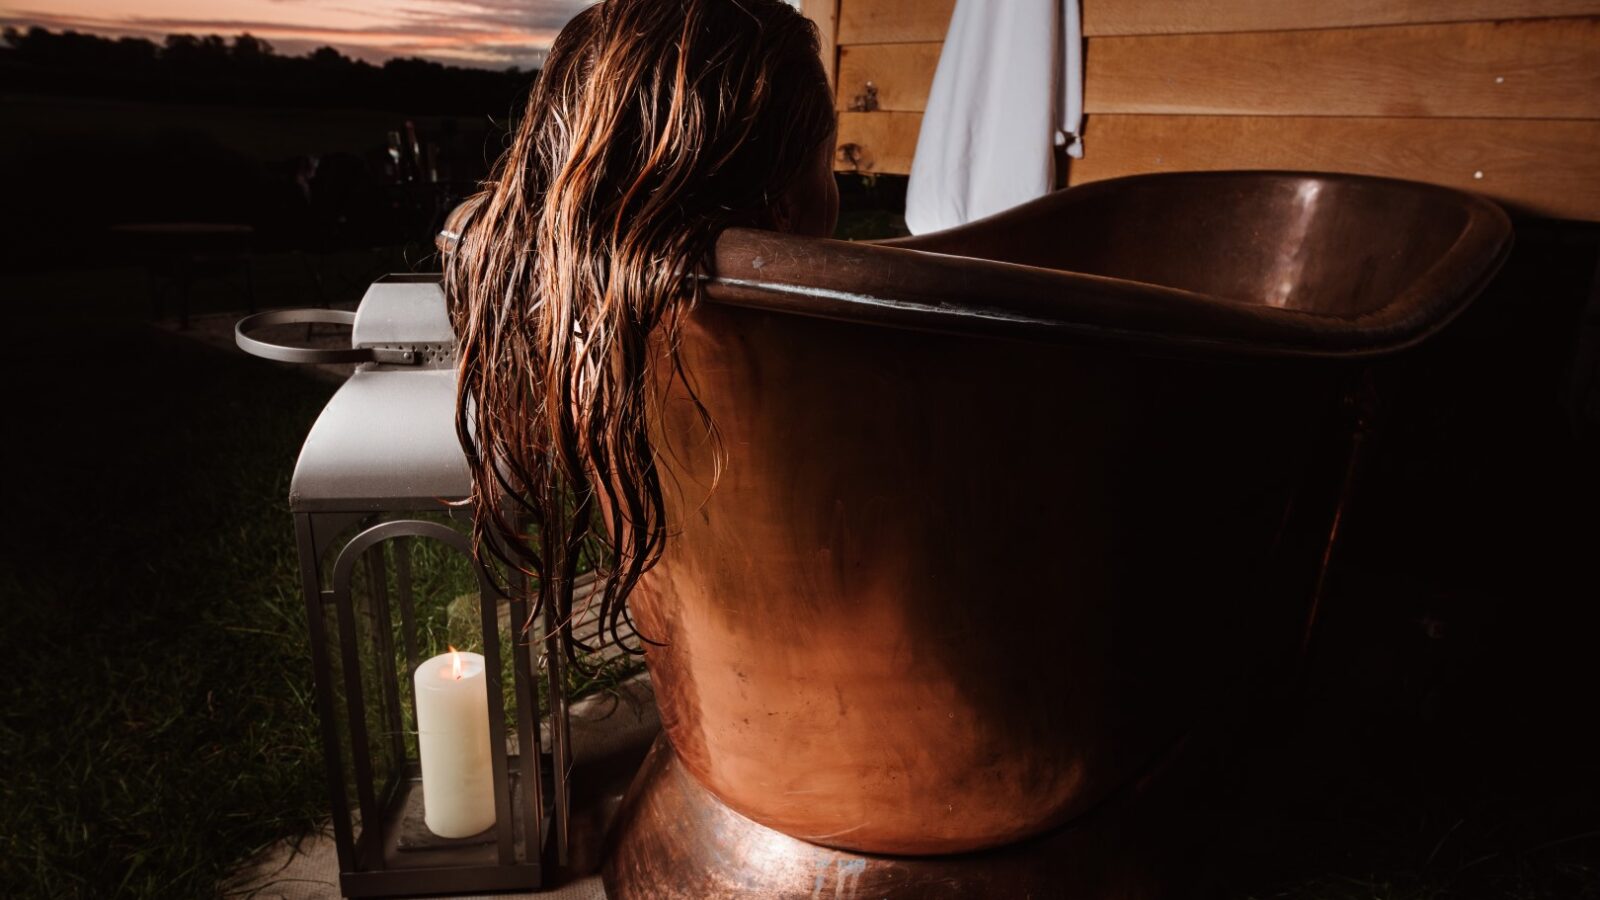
1497, 96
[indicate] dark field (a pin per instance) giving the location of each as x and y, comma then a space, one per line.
256, 133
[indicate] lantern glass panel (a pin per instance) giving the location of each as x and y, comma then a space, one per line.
407, 602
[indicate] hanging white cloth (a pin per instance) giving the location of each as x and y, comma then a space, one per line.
1007, 92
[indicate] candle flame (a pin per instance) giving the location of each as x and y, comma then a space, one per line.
455, 663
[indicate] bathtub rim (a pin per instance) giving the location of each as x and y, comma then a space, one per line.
895, 284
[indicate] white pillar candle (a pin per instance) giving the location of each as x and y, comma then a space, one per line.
453, 741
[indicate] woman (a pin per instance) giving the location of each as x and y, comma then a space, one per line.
653, 127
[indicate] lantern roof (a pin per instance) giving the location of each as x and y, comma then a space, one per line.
386, 440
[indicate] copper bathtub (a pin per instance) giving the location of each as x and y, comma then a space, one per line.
1006, 508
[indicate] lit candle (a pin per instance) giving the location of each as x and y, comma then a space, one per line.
453, 741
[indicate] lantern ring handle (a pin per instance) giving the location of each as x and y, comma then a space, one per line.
284, 353
345, 563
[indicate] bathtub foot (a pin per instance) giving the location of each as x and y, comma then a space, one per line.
675, 839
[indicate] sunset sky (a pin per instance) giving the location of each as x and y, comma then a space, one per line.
493, 33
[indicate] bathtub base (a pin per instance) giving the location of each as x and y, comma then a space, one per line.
675, 839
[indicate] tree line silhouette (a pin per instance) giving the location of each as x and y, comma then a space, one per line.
413, 136
246, 70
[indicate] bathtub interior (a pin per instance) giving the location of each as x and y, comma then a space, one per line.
1340, 248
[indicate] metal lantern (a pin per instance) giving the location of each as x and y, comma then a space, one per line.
381, 474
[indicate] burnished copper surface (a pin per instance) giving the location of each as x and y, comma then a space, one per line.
991, 536
673, 840
952, 590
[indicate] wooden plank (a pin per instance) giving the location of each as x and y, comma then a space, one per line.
825, 15
893, 21
901, 21
1120, 17
903, 73
1545, 167
883, 142
1534, 68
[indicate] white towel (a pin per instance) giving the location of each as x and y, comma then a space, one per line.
1008, 91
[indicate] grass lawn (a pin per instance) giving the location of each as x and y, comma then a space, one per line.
156, 722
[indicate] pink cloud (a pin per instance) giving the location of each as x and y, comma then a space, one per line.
490, 33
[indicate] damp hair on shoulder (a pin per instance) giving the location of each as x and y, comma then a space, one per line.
654, 126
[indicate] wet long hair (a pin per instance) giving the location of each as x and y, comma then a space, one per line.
654, 125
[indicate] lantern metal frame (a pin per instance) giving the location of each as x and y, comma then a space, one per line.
383, 848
